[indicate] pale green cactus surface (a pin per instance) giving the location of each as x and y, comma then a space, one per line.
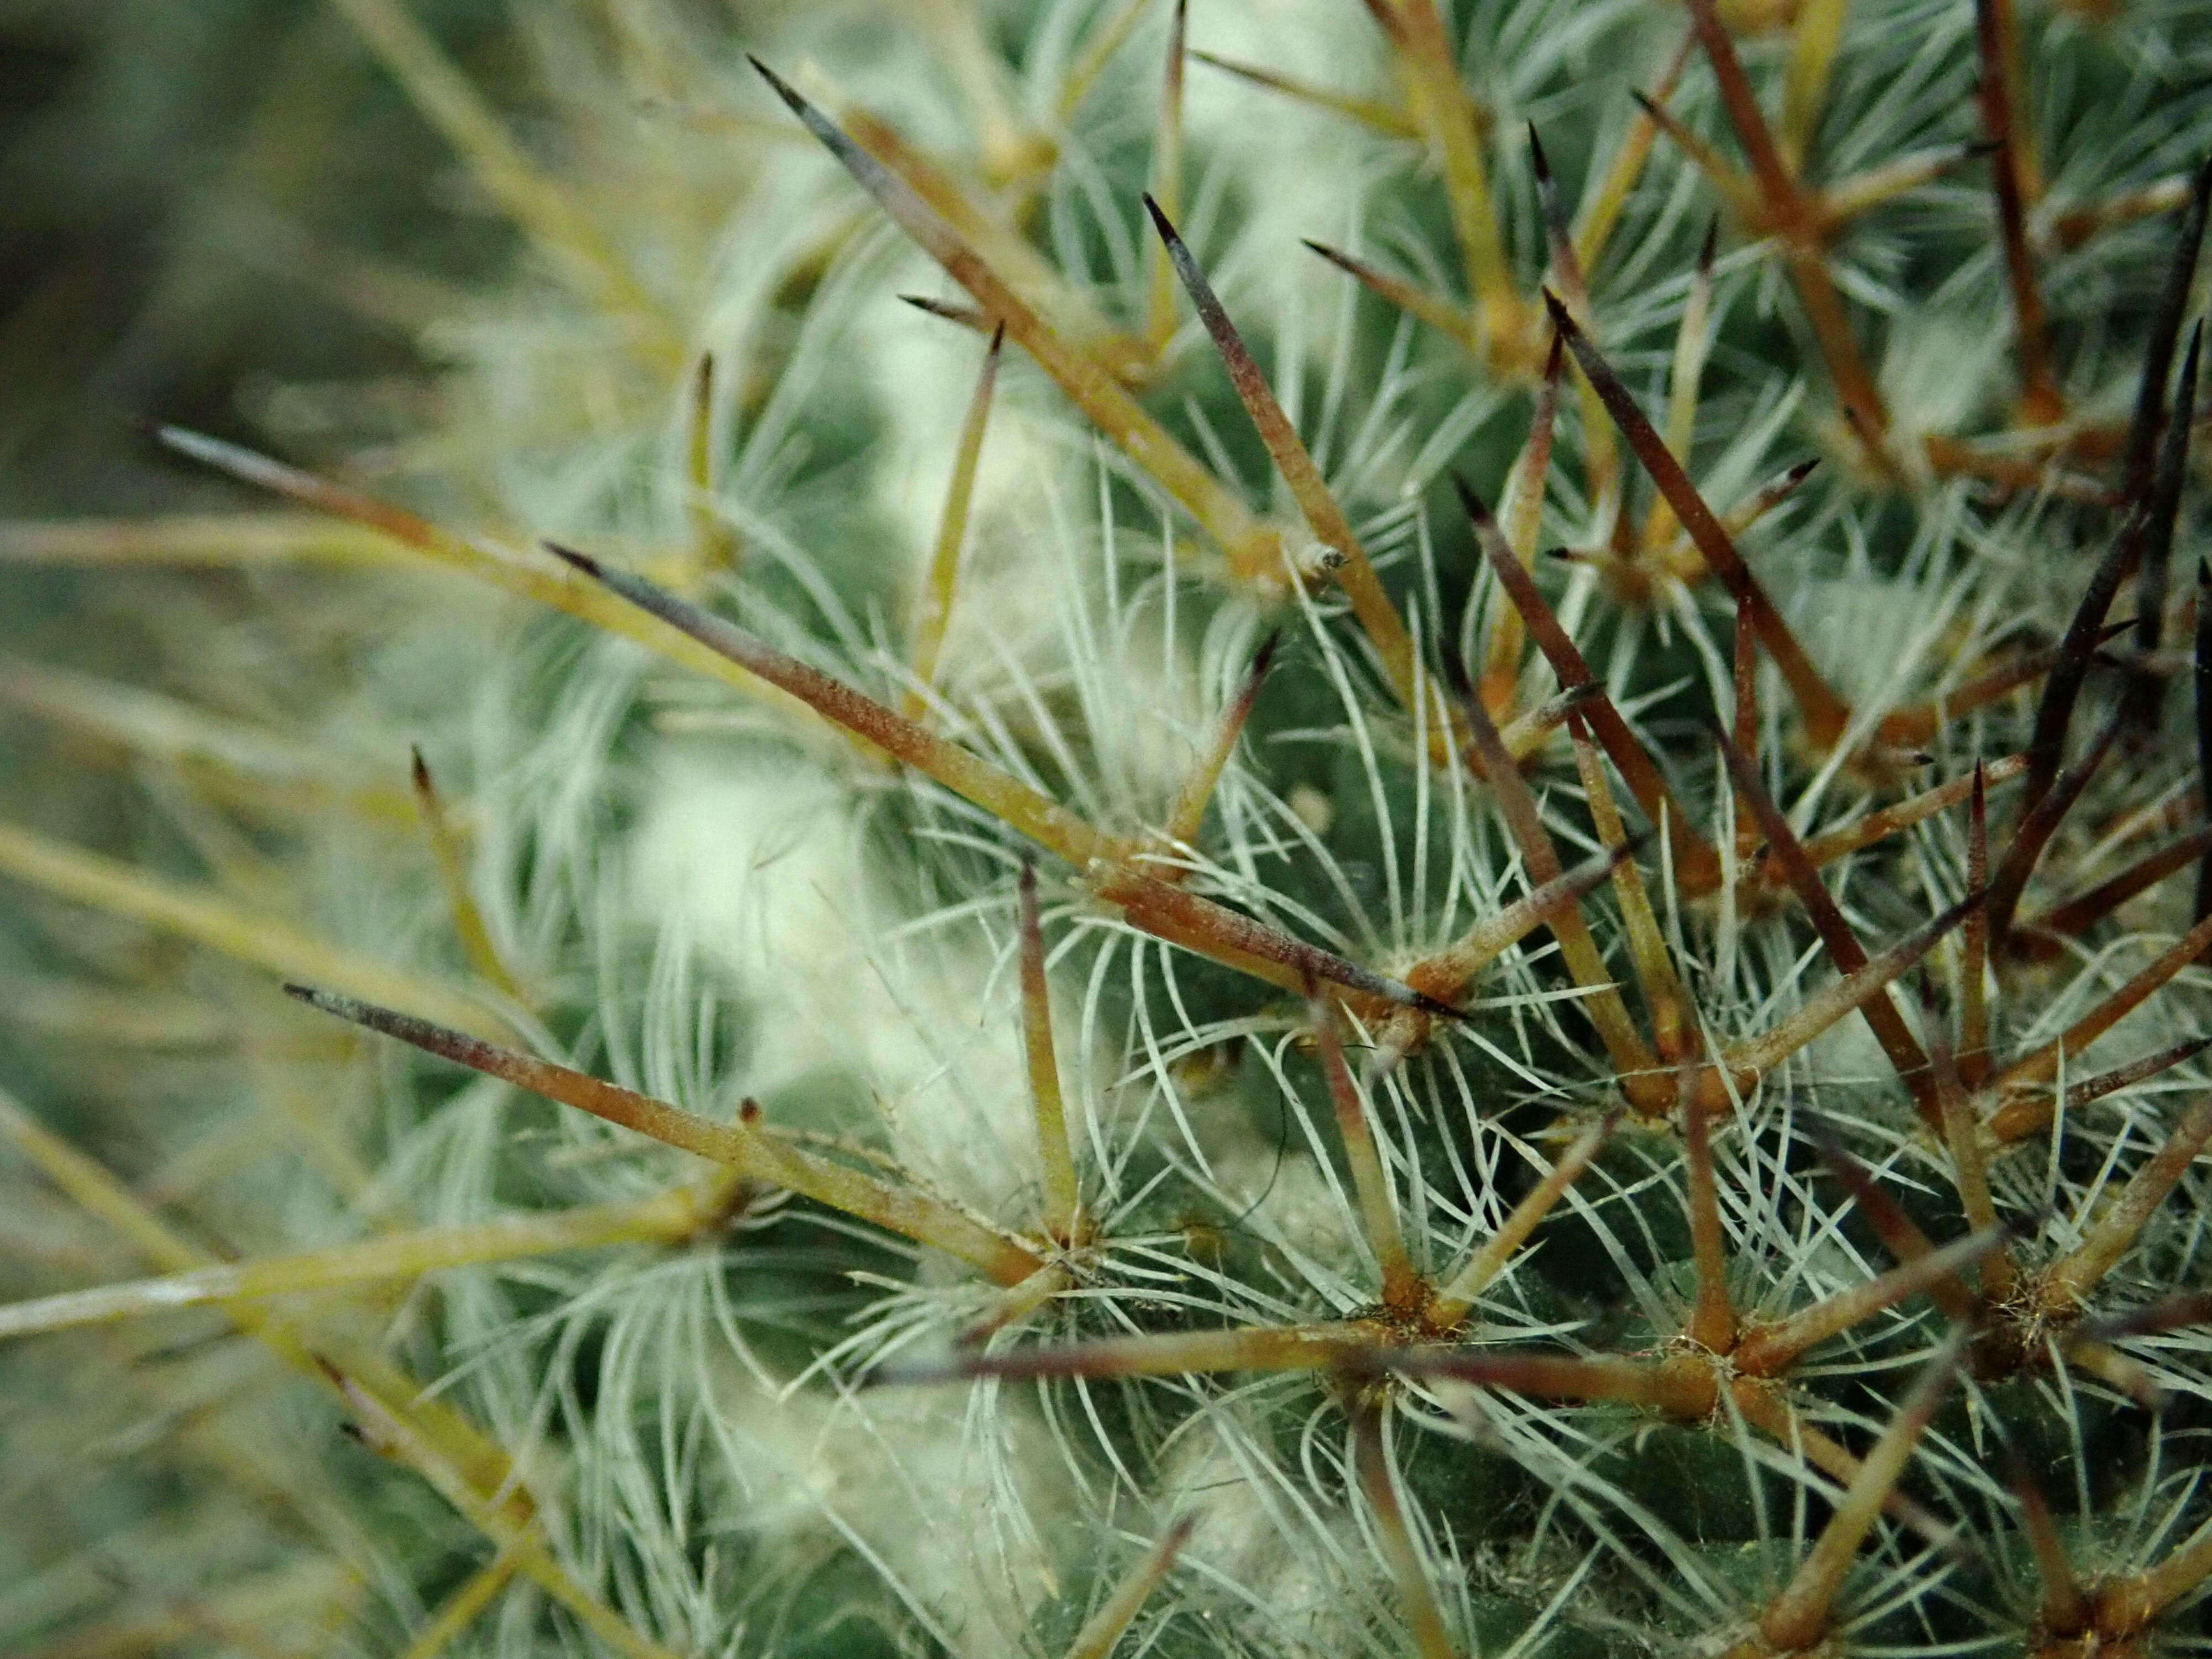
1169, 883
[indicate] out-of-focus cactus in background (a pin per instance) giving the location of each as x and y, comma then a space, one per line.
1089, 835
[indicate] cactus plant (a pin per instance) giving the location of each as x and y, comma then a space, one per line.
1195, 946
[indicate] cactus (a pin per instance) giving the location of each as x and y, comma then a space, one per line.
1196, 947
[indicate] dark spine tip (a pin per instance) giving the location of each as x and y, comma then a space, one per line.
582, 562
1470, 503
1264, 657
418, 769
1460, 683
1161, 223
1543, 162
1706, 248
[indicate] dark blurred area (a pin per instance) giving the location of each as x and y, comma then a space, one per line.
221, 214
201, 198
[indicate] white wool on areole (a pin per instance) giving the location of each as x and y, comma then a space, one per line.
967, 1545
770, 869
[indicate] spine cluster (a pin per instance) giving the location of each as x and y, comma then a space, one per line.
1019, 920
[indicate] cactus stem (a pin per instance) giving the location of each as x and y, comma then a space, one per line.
459, 1610
1424, 46
1800, 1615
2037, 826
1402, 1290
1664, 998
1063, 1214
667, 1218
1699, 869
1385, 120
452, 873
1119, 1611
2068, 1280
1712, 1323
1772, 1349
1379, 616
1783, 208
2039, 938
1448, 1308
1252, 548
2041, 403
1524, 517
1417, 1598
2037, 1065
1826, 717
943, 582
1188, 815
2065, 1611
741, 1146
1633, 1061
1167, 189
1842, 945
209, 918
389, 1434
